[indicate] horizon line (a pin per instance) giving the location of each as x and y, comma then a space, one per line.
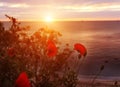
59, 20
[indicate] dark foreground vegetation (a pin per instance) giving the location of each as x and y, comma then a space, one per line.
34, 59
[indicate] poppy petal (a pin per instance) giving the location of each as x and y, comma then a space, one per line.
51, 48
81, 48
22, 80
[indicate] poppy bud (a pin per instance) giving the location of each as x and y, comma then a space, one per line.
102, 67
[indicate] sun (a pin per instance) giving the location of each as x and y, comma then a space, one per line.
48, 19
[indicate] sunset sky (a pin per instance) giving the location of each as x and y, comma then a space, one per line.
61, 9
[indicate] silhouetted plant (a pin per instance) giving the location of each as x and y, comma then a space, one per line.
69, 79
99, 72
31, 53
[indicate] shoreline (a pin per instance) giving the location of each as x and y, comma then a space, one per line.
99, 82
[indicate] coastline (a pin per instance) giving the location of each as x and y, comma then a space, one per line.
85, 81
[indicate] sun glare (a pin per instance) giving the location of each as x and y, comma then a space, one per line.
48, 19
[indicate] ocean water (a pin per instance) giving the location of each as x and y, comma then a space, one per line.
101, 38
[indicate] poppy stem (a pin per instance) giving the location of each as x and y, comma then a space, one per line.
81, 63
101, 69
92, 83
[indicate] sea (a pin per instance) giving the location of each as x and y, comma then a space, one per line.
101, 38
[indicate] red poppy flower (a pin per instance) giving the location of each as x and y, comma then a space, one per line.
10, 52
51, 48
22, 80
81, 48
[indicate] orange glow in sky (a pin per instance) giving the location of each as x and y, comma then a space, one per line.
63, 10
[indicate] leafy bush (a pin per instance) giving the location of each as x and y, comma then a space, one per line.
36, 54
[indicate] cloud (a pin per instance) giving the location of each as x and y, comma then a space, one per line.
18, 5
1, 4
13, 5
76, 5
61, 9
92, 8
